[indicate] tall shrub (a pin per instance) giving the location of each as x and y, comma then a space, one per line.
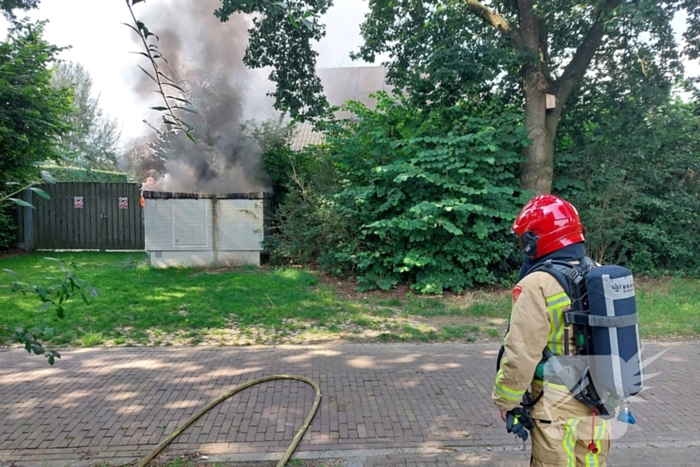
308, 227
635, 174
432, 194
32, 114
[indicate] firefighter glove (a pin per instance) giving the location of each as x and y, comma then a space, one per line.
519, 422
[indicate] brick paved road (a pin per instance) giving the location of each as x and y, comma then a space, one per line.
382, 405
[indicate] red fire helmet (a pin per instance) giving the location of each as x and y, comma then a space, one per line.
546, 224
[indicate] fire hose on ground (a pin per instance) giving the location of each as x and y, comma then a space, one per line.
237, 389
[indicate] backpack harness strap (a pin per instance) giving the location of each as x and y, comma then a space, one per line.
570, 277
602, 321
581, 389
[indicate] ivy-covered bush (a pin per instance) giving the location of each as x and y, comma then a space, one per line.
432, 195
7, 225
77, 174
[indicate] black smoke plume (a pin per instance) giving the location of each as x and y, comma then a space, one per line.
205, 59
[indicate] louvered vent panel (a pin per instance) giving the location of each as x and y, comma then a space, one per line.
240, 224
158, 223
191, 223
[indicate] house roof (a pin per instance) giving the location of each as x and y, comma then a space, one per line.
304, 134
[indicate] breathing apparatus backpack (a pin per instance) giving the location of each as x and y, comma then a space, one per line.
607, 367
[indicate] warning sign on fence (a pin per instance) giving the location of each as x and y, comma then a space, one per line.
123, 203
78, 202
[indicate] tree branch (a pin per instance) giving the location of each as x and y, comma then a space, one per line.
494, 19
576, 69
7, 197
544, 48
149, 52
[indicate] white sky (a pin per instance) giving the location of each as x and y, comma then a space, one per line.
102, 44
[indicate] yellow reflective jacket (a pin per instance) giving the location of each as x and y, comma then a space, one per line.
537, 320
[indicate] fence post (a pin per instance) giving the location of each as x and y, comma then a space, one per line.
29, 222
25, 223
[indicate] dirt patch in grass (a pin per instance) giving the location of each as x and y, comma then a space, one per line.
9, 252
481, 330
347, 288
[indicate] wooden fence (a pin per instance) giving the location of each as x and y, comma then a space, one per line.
83, 216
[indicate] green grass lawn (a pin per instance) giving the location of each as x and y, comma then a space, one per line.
669, 307
138, 304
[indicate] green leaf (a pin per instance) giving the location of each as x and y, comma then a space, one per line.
37, 348
164, 76
45, 306
48, 178
147, 73
141, 53
179, 107
177, 98
132, 28
142, 27
307, 23
12, 273
174, 86
40, 192
21, 202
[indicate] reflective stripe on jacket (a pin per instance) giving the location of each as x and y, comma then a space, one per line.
536, 321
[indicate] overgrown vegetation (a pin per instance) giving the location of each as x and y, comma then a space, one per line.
93, 136
402, 195
79, 174
422, 189
634, 172
32, 116
627, 150
432, 194
443, 52
405, 195
33, 119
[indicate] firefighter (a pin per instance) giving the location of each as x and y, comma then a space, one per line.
565, 432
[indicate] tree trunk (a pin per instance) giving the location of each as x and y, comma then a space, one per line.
538, 169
